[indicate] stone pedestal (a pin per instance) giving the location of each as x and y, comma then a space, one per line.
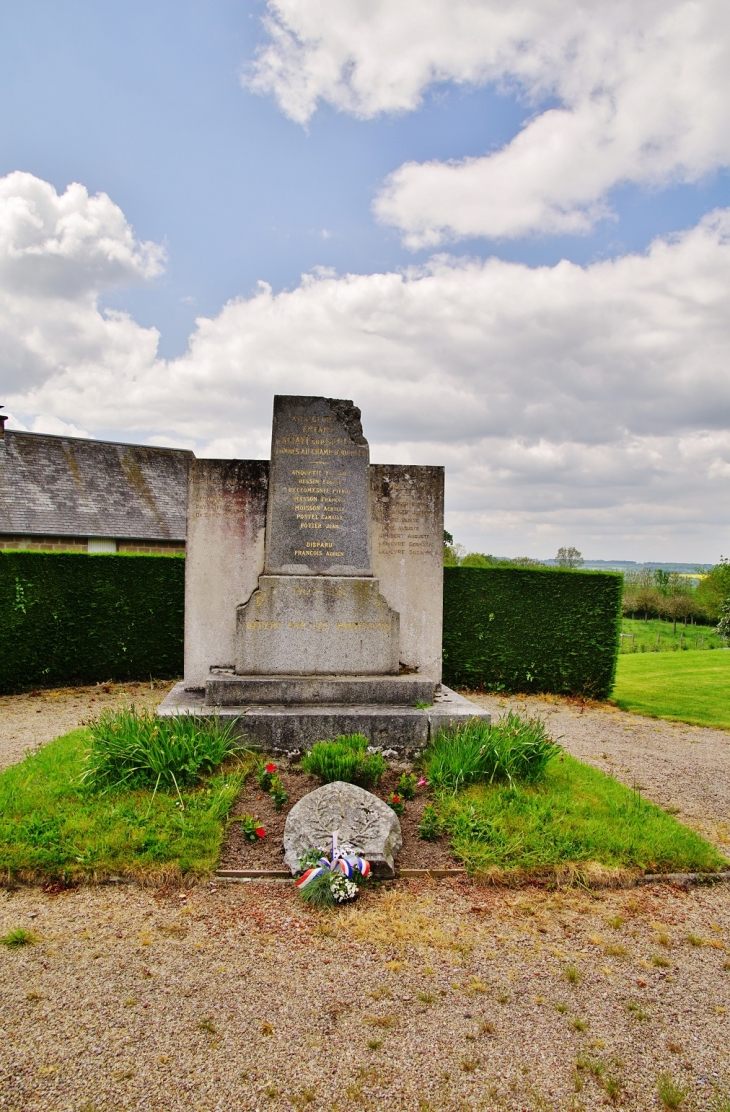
318, 625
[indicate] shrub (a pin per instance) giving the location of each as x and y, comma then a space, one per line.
346, 758
513, 749
69, 617
132, 749
531, 629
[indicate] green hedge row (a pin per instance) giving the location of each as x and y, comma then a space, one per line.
71, 618
532, 629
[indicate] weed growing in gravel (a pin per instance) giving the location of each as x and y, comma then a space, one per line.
616, 950
636, 1010
425, 997
670, 1093
486, 1027
579, 1024
616, 921
385, 1021
346, 758
514, 749
135, 749
660, 961
208, 1026
561, 1007
469, 1065
695, 940
375, 1044
14, 940
301, 1099
572, 974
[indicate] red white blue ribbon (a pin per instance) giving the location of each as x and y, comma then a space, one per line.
346, 863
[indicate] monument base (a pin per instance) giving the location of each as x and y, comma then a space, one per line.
294, 727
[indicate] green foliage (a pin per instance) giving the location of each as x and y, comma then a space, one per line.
134, 749
512, 749
714, 589
250, 827
396, 803
346, 758
407, 786
74, 618
671, 1093
53, 825
429, 828
271, 783
531, 629
689, 687
16, 939
575, 814
318, 893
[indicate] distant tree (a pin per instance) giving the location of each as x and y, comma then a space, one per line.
569, 558
478, 560
525, 562
723, 626
714, 589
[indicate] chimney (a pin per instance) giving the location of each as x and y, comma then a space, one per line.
3, 419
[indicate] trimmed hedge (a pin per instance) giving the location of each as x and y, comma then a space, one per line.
72, 618
532, 629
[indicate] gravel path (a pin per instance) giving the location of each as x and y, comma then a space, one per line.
427, 997
685, 769
29, 721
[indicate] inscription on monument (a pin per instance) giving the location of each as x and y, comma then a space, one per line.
318, 519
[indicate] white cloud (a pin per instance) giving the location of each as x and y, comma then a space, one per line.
640, 92
569, 404
58, 253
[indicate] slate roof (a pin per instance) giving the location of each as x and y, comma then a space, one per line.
65, 486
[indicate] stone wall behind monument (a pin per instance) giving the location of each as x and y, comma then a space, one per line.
227, 502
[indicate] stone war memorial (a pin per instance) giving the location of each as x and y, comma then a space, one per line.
313, 590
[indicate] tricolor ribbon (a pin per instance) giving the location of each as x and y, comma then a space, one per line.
347, 863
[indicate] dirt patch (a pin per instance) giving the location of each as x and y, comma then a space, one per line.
268, 852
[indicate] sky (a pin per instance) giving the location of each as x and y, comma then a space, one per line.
502, 229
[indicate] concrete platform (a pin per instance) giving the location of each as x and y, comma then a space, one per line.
291, 728
226, 689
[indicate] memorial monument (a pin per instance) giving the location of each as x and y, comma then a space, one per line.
313, 590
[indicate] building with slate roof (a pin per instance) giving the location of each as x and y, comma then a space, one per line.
68, 494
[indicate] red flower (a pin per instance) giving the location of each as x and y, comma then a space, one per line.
270, 768
395, 798
260, 832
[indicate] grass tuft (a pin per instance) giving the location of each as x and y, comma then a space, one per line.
14, 940
346, 758
671, 1094
135, 749
514, 749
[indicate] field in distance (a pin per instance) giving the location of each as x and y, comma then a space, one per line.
658, 635
691, 686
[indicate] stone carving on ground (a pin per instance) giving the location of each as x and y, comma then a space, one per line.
362, 820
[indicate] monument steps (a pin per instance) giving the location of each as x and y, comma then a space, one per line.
228, 689
292, 728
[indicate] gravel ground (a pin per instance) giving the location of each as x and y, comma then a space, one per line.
426, 996
430, 996
685, 769
29, 721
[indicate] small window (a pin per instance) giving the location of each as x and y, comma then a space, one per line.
98, 544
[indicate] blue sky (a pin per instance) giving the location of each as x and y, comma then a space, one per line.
144, 102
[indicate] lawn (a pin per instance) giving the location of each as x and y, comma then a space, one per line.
689, 687
574, 815
53, 826
656, 635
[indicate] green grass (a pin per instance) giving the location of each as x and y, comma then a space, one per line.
512, 749
689, 687
574, 815
52, 825
658, 635
346, 758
